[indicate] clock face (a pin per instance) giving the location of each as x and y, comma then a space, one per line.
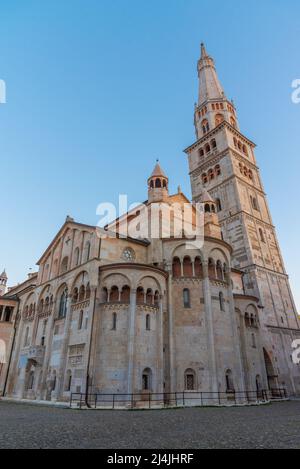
128, 254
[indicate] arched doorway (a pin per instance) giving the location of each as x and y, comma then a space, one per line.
271, 375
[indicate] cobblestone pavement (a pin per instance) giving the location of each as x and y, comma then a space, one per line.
32, 426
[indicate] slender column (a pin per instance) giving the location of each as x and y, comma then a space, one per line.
236, 342
91, 344
172, 369
210, 330
64, 350
244, 352
160, 348
131, 341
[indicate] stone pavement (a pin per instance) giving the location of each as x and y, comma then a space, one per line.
32, 426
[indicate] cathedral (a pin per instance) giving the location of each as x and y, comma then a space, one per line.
124, 314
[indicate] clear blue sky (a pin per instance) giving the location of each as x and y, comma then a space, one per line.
97, 90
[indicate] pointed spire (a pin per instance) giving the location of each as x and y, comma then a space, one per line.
3, 275
206, 197
209, 85
157, 171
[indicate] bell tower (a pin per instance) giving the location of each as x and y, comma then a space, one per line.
222, 162
158, 185
3, 283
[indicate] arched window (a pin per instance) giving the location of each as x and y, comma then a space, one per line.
186, 298
211, 174
219, 205
75, 295
68, 381
157, 182
114, 294
221, 301
146, 379
218, 119
114, 321
198, 267
189, 380
261, 235
176, 267
211, 268
140, 299
219, 270
207, 148
187, 267
254, 203
149, 296
125, 294
148, 322
201, 152
151, 184
213, 143
64, 264
205, 126
232, 122
76, 256
229, 381
62, 305
218, 170
253, 342
80, 320
206, 208
204, 178
81, 293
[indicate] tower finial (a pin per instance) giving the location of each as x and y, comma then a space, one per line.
203, 51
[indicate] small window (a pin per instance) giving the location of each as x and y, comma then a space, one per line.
146, 379
186, 298
221, 301
80, 319
261, 235
229, 381
68, 382
148, 322
253, 341
114, 322
189, 380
